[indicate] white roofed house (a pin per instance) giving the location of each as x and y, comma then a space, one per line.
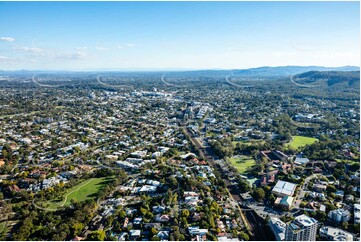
196, 231
134, 234
139, 153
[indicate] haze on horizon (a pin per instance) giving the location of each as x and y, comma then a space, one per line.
177, 35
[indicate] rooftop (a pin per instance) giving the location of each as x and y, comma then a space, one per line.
285, 188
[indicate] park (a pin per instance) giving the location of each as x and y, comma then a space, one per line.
242, 163
85, 190
301, 141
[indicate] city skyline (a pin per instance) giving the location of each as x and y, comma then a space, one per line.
177, 35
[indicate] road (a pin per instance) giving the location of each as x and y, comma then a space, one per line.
234, 84
302, 192
167, 83
234, 197
43, 85
301, 85
109, 85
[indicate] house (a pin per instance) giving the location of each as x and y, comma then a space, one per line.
267, 178
157, 226
148, 189
77, 238
340, 193
349, 198
319, 187
14, 188
162, 218
134, 234
137, 221
158, 209
123, 236
163, 235
195, 230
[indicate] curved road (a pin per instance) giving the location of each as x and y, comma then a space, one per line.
169, 84
43, 85
234, 84
301, 85
109, 85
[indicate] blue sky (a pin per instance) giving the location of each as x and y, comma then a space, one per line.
190, 35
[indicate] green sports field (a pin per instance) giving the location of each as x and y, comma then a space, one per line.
85, 190
300, 141
242, 163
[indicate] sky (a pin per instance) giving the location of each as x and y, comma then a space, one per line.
177, 35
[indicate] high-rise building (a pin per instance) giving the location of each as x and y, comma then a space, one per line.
303, 228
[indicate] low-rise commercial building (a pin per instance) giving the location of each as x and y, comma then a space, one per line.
335, 234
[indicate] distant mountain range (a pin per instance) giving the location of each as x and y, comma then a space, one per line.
331, 78
265, 71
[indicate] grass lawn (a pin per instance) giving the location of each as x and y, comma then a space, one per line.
2, 227
242, 163
81, 192
300, 141
249, 142
210, 133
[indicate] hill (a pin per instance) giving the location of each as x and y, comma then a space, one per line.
265, 71
331, 78
289, 70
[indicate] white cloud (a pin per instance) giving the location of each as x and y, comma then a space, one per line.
101, 48
82, 48
50, 55
7, 60
130, 45
29, 49
7, 39
120, 47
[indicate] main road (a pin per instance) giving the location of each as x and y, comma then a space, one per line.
234, 197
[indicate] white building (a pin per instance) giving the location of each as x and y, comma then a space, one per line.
339, 215
278, 228
334, 234
303, 228
282, 189
301, 161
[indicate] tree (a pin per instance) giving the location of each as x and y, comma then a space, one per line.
154, 231
243, 185
331, 188
97, 235
77, 228
243, 236
259, 194
185, 213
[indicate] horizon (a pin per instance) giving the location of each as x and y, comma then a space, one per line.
164, 69
76, 36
